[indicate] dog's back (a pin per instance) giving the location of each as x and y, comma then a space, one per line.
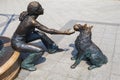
96, 55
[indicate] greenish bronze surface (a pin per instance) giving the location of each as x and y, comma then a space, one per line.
87, 50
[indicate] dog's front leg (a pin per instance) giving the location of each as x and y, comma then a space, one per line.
74, 57
78, 60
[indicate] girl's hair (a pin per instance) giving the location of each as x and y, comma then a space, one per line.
23, 15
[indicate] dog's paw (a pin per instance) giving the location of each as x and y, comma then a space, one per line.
91, 67
73, 66
73, 58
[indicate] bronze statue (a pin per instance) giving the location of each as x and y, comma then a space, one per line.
26, 33
87, 50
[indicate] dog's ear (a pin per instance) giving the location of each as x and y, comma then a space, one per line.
85, 25
91, 27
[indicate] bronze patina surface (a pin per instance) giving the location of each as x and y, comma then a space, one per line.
26, 32
87, 50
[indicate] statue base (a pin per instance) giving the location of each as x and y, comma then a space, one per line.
9, 60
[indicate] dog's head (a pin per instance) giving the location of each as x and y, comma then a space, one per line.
82, 28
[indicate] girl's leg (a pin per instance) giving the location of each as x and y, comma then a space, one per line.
36, 53
49, 44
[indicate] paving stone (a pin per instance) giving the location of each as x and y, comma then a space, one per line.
102, 73
117, 42
107, 47
47, 65
98, 28
116, 67
117, 49
23, 74
116, 58
61, 68
72, 79
56, 56
115, 77
118, 31
81, 72
111, 29
109, 36
97, 35
108, 42
65, 70
54, 76
37, 75
66, 58
3, 20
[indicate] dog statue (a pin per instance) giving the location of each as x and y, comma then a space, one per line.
87, 49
